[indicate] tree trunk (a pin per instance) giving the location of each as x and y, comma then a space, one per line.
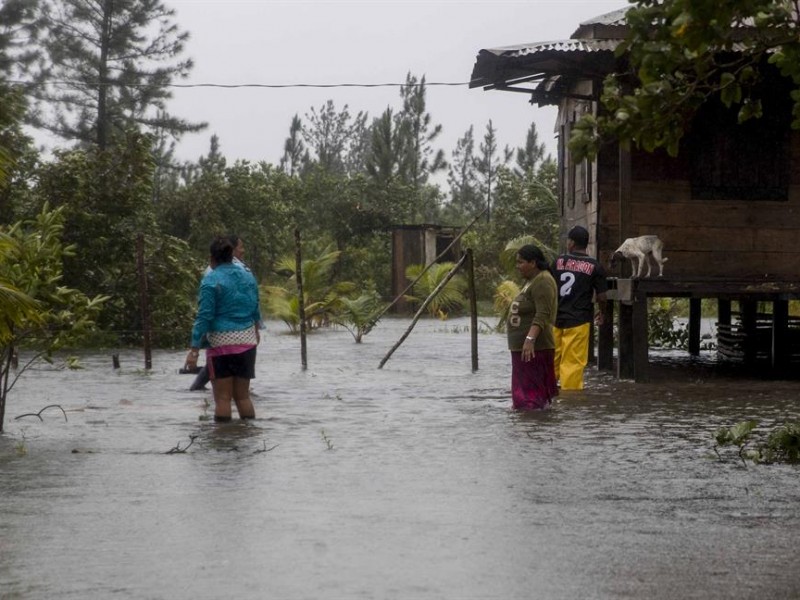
102, 76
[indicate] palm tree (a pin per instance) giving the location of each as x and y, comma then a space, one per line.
320, 295
451, 297
358, 315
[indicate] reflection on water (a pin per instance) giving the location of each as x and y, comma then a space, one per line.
412, 481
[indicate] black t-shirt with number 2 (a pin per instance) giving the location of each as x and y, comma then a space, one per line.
578, 277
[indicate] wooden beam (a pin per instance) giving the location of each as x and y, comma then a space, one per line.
723, 311
625, 368
605, 339
641, 362
748, 310
695, 314
780, 351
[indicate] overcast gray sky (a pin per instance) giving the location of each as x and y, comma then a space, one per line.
370, 41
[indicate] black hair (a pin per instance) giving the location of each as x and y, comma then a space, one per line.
532, 253
221, 250
234, 239
579, 235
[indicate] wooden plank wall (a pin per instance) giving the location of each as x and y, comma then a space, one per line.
702, 238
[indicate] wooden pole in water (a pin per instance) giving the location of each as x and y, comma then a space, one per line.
473, 308
422, 308
301, 306
144, 304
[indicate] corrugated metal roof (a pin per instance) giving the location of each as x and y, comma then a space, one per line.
557, 46
615, 17
589, 53
596, 38
501, 67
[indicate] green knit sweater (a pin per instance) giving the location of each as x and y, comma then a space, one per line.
536, 304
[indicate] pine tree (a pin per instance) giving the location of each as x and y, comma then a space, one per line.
295, 155
529, 156
214, 162
355, 158
488, 164
465, 197
330, 135
18, 35
419, 159
383, 155
166, 167
106, 68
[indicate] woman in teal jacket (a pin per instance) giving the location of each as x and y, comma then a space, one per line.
226, 325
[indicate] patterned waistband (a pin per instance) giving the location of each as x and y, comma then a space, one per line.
245, 337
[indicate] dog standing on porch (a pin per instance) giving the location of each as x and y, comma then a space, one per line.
639, 250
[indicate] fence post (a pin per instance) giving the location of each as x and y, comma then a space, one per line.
301, 306
144, 303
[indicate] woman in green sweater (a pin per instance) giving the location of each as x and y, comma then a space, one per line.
530, 333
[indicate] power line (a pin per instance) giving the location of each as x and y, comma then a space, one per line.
243, 85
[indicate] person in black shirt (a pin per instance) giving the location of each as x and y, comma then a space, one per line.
581, 280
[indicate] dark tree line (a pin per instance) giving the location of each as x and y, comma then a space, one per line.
98, 73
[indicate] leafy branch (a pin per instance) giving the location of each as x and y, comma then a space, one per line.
781, 445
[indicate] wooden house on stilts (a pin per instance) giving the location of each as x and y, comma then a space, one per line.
727, 207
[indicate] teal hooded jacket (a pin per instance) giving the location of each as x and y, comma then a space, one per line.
227, 301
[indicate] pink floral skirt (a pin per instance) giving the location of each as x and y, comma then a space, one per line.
533, 383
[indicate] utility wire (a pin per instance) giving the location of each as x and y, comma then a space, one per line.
243, 85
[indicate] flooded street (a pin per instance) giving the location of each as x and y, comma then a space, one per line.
415, 481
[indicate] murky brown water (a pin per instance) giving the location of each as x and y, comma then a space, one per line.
416, 481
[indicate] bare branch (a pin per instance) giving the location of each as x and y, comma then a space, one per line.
178, 450
39, 414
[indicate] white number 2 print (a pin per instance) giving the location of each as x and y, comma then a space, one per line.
567, 281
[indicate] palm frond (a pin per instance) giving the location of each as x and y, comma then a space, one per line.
451, 297
508, 256
358, 315
504, 295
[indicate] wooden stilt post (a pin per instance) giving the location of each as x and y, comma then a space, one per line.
749, 316
625, 368
605, 339
779, 355
695, 314
723, 312
641, 361
298, 271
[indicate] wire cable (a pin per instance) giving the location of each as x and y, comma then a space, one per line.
243, 85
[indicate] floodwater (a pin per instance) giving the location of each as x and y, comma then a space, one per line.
415, 481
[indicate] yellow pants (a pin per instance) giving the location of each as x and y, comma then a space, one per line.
572, 355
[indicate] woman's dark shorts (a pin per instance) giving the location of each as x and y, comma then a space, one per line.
241, 365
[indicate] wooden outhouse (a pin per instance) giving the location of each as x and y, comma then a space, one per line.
419, 245
727, 207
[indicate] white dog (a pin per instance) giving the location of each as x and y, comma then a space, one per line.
639, 250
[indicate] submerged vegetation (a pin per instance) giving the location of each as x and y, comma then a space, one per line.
780, 445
